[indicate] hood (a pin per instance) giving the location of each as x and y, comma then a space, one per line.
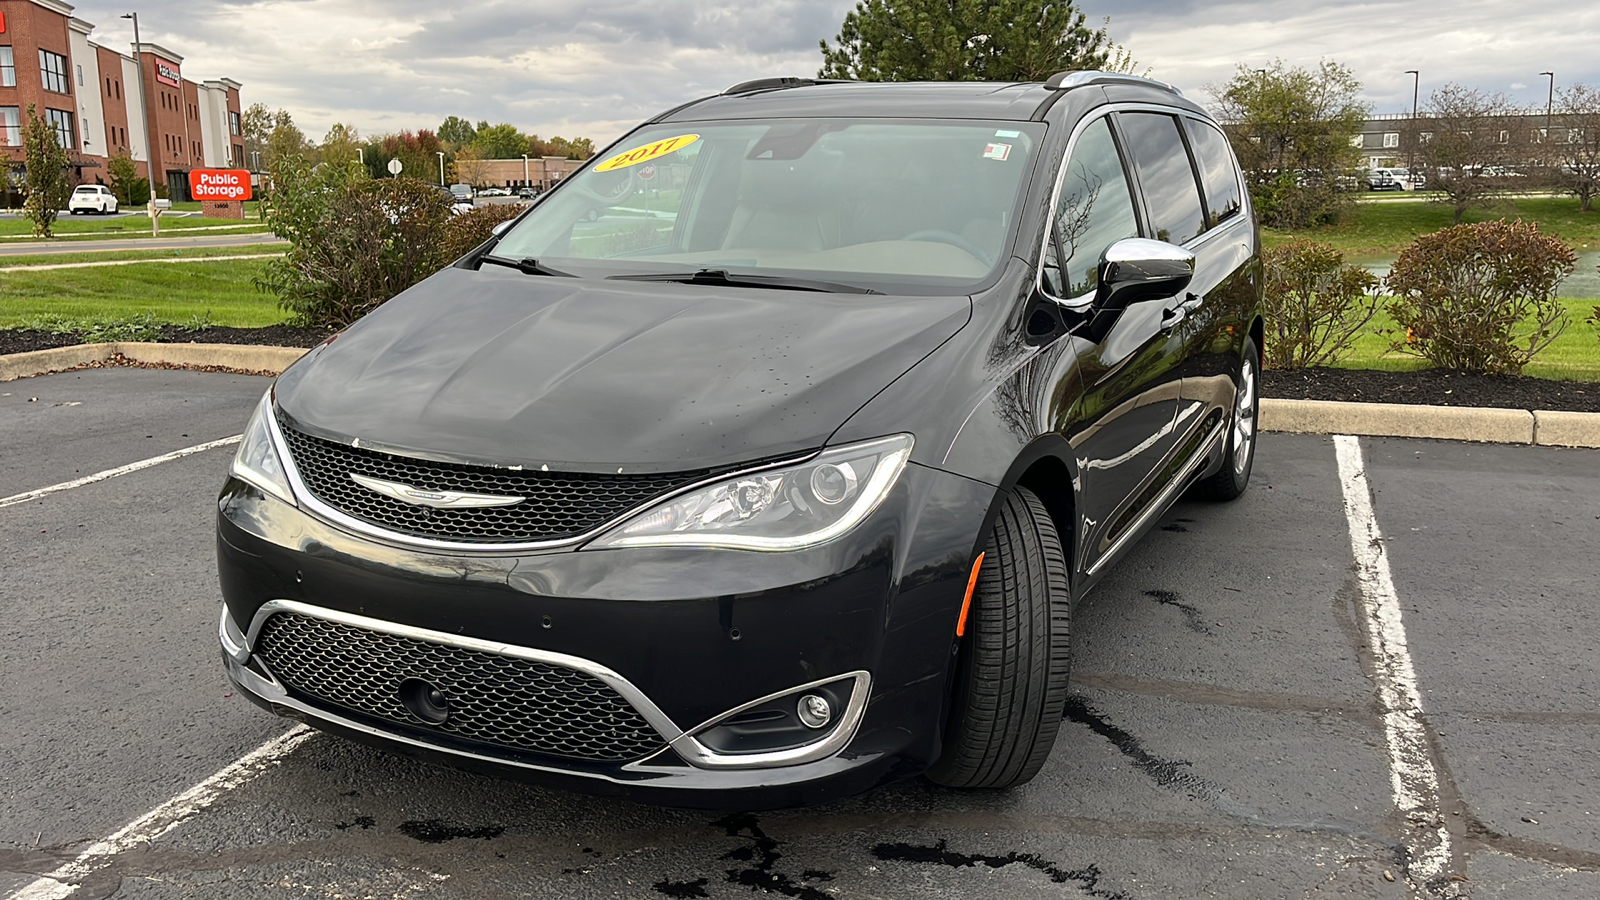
500, 368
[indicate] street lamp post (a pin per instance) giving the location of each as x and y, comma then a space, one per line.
1411, 160
144, 123
441, 166
1549, 103
524, 170
361, 155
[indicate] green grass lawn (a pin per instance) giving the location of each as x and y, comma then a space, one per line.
173, 293
119, 226
1382, 228
1575, 355
91, 255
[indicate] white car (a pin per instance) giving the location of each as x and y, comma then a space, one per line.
92, 198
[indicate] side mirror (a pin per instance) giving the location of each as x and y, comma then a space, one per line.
500, 228
1137, 269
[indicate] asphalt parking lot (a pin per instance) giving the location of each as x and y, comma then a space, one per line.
1244, 720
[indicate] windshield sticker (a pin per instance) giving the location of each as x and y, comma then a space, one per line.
997, 151
1008, 134
648, 152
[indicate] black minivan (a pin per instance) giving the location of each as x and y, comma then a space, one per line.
761, 461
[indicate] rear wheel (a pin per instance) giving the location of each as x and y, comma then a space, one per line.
1011, 683
1231, 480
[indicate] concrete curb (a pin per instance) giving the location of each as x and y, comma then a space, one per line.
1451, 423
227, 356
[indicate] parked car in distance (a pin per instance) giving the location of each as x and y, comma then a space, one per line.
495, 192
92, 198
1382, 180
458, 205
778, 493
528, 192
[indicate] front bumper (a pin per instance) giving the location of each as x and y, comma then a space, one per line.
687, 637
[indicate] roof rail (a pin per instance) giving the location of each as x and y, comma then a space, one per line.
1062, 81
777, 84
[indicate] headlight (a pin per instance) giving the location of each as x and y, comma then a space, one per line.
257, 460
780, 509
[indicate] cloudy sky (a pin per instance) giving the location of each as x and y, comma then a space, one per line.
595, 67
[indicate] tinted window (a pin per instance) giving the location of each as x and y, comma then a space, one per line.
1216, 169
1095, 210
1170, 191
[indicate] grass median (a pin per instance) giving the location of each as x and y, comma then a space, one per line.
1377, 228
64, 257
85, 227
221, 292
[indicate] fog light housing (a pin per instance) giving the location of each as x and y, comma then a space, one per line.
814, 711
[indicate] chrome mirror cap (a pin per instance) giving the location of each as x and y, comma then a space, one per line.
1136, 269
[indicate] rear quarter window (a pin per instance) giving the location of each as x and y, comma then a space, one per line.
1217, 173
1162, 164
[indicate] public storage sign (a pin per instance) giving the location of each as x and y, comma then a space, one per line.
219, 184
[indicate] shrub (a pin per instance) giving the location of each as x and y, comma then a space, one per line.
1480, 297
1315, 304
463, 233
1292, 202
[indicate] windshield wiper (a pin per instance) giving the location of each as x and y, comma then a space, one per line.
526, 265
722, 278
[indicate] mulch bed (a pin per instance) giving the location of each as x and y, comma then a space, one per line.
1431, 387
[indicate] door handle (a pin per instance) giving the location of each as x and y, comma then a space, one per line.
1173, 316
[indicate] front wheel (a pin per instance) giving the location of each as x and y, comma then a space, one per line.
1011, 675
1231, 480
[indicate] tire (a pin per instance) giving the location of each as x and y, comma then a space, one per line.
1011, 672
1234, 476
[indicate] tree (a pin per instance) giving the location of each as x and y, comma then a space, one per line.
457, 132
418, 153
273, 135
1577, 143
963, 40
576, 148
339, 146
45, 161
501, 141
471, 168
125, 183
1291, 129
1466, 139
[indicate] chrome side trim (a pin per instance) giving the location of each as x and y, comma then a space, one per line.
232, 640
698, 754
692, 751
1165, 497
310, 502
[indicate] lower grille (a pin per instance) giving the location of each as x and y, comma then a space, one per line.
497, 700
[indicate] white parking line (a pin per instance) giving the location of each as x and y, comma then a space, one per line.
120, 470
1412, 777
65, 880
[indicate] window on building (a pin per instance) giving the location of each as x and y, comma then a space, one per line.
53, 69
10, 125
1538, 135
233, 123
1574, 135
8, 68
1391, 139
1505, 137
118, 86
80, 75
1358, 140
1425, 137
61, 121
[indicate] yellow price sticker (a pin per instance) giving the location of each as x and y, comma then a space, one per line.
647, 152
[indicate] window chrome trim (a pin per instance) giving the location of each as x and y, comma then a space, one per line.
1084, 302
692, 751
311, 502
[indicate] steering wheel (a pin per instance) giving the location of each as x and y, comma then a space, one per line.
954, 240
609, 188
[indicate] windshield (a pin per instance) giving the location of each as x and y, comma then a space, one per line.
904, 205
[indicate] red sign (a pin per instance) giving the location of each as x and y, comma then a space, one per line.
219, 184
647, 172
167, 73
2, 23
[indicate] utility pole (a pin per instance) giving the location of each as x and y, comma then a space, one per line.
1549, 103
1411, 160
144, 123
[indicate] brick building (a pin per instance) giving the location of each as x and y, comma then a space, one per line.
95, 98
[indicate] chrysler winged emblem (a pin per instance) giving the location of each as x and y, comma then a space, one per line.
436, 499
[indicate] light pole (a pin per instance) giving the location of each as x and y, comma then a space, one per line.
144, 123
1549, 102
524, 170
361, 155
441, 167
1411, 160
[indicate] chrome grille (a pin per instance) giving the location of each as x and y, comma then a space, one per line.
498, 700
559, 505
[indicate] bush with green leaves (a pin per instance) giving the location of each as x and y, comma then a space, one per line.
45, 162
1315, 304
1480, 297
355, 242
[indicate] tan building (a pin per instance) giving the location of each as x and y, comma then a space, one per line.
95, 97
539, 171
